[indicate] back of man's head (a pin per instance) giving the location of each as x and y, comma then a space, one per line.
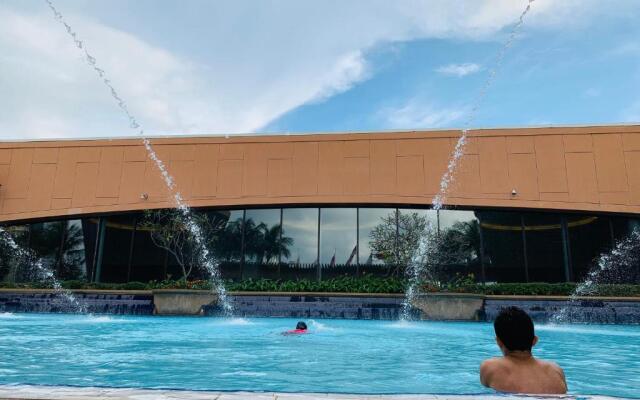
514, 328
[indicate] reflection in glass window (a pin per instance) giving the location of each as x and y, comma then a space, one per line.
223, 230
338, 241
45, 240
545, 258
589, 236
503, 246
338, 236
262, 244
377, 236
300, 236
119, 231
13, 267
412, 225
457, 248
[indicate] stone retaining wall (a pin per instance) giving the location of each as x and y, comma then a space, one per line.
296, 305
438, 306
591, 310
98, 302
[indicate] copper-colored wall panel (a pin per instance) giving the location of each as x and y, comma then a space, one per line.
84, 191
330, 167
110, 172
280, 177
436, 157
48, 155
581, 176
5, 156
229, 178
383, 166
154, 184
552, 175
19, 173
588, 169
205, 172
131, 182
523, 176
612, 176
182, 172
631, 141
356, 148
65, 174
255, 173
305, 169
632, 159
41, 187
520, 145
357, 179
577, 143
410, 175
494, 177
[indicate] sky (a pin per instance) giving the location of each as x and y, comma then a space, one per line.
297, 66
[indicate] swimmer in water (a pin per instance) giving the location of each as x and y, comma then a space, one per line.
518, 371
301, 328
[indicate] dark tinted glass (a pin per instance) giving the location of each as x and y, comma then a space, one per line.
544, 247
503, 246
119, 231
589, 236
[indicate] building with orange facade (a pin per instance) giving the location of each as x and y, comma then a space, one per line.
527, 204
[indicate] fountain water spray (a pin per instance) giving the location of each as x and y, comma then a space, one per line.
417, 264
626, 252
448, 176
206, 258
44, 274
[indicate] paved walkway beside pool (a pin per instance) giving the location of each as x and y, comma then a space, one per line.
72, 393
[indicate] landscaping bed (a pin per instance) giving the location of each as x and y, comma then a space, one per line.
349, 284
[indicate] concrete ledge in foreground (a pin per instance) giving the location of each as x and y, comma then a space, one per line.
23, 392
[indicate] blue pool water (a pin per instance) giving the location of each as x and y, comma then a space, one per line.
338, 356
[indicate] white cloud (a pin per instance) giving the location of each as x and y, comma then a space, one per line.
238, 67
459, 70
420, 115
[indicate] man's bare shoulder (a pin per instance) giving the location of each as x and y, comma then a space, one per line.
550, 366
491, 368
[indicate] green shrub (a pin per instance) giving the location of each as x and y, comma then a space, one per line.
350, 284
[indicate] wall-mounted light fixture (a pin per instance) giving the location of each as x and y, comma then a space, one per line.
514, 192
144, 196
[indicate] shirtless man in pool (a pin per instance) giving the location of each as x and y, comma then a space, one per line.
518, 371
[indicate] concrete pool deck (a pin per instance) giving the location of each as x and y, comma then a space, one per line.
25, 392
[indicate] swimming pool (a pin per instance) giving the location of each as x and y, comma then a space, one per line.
343, 356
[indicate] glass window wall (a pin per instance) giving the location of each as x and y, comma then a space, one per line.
291, 243
299, 258
503, 238
338, 241
262, 243
545, 253
456, 251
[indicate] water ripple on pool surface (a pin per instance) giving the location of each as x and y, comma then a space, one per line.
337, 356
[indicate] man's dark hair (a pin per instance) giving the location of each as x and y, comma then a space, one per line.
301, 325
514, 328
